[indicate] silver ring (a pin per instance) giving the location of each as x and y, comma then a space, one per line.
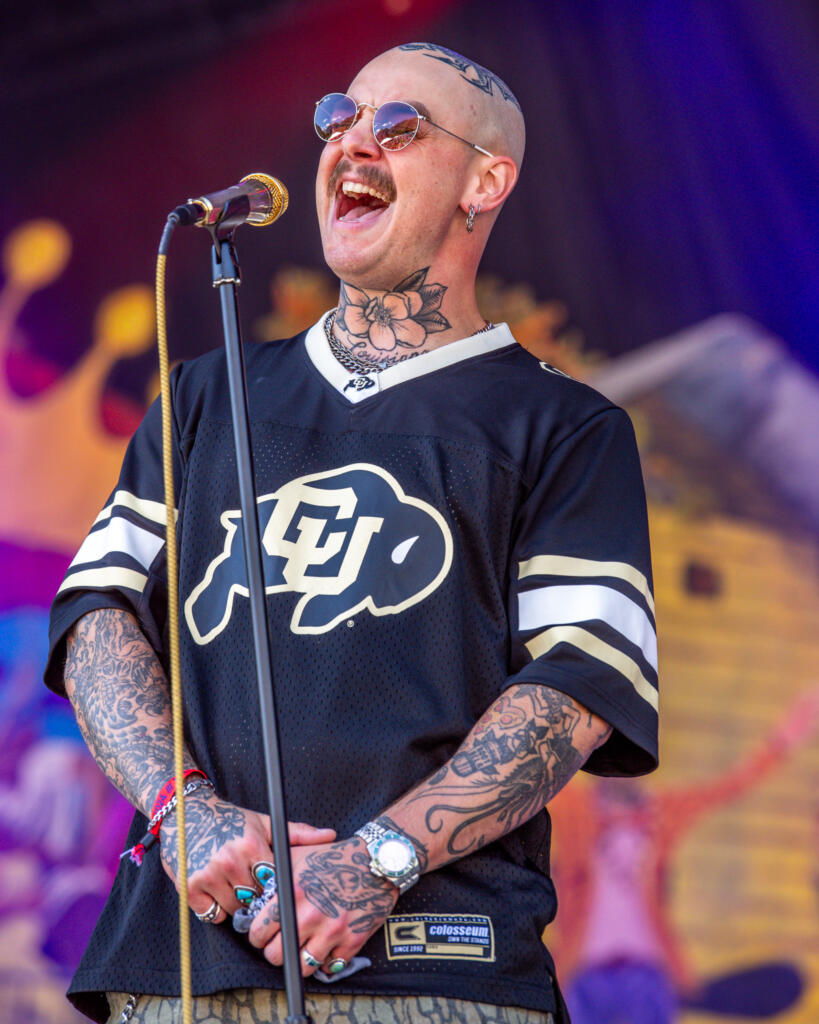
309, 959
210, 915
336, 965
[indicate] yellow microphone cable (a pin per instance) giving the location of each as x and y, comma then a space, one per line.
173, 620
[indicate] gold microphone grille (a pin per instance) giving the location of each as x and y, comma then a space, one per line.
279, 198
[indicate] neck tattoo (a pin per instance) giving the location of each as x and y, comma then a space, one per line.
356, 365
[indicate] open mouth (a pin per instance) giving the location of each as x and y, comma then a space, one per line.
357, 202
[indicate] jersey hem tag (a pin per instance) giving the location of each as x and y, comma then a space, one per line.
440, 937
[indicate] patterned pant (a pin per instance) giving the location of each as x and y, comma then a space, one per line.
269, 1006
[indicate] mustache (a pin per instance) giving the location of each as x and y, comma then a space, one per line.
372, 176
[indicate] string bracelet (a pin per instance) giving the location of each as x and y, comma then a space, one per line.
167, 792
165, 802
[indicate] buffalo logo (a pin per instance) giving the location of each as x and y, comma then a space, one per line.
360, 383
345, 540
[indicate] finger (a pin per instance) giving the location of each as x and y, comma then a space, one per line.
273, 951
302, 834
229, 869
266, 925
341, 950
317, 945
216, 886
214, 881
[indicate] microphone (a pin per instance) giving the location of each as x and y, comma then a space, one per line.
258, 199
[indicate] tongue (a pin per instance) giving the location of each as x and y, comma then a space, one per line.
358, 211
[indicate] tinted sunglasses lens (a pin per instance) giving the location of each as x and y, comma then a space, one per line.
395, 125
335, 114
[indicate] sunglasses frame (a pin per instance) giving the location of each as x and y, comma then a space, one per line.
358, 108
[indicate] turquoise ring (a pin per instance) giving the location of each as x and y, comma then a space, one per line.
336, 965
263, 871
245, 894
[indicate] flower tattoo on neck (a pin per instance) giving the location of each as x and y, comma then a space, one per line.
401, 318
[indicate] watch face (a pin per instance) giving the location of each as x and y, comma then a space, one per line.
394, 856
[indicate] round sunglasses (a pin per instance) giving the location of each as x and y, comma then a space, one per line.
395, 123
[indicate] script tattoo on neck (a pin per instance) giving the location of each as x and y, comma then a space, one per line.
383, 328
482, 78
339, 878
120, 697
531, 729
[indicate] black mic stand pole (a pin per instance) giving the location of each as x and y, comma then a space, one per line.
226, 278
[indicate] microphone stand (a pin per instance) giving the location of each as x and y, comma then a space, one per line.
226, 277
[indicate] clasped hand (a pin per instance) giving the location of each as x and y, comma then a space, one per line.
339, 902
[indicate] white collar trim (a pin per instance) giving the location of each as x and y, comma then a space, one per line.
355, 387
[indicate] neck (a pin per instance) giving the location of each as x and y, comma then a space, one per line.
383, 327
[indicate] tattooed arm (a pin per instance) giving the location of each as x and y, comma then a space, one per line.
519, 755
523, 750
121, 698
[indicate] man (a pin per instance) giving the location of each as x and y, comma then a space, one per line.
457, 565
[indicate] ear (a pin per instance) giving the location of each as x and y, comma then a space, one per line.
490, 187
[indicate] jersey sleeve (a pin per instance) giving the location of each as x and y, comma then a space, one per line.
121, 562
581, 603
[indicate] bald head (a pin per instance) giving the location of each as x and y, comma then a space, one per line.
476, 99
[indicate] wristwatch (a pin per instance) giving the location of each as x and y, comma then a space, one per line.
392, 856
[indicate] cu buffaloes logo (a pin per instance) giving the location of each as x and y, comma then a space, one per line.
345, 540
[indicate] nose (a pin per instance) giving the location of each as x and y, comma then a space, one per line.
359, 142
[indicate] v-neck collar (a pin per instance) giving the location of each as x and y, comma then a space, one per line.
355, 387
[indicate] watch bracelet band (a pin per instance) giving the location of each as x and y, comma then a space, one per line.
371, 831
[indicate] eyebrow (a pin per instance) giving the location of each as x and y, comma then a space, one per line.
421, 108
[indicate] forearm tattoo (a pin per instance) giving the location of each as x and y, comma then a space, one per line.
339, 879
518, 756
120, 696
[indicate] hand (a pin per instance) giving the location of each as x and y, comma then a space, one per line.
223, 843
339, 904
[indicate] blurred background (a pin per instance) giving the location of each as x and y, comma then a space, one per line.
663, 245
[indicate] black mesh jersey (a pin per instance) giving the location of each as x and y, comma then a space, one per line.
460, 522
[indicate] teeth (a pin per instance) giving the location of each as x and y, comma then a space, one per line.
350, 188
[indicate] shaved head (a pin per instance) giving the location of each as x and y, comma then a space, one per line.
481, 101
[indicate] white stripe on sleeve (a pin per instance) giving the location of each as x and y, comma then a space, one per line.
120, 536
560, 605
